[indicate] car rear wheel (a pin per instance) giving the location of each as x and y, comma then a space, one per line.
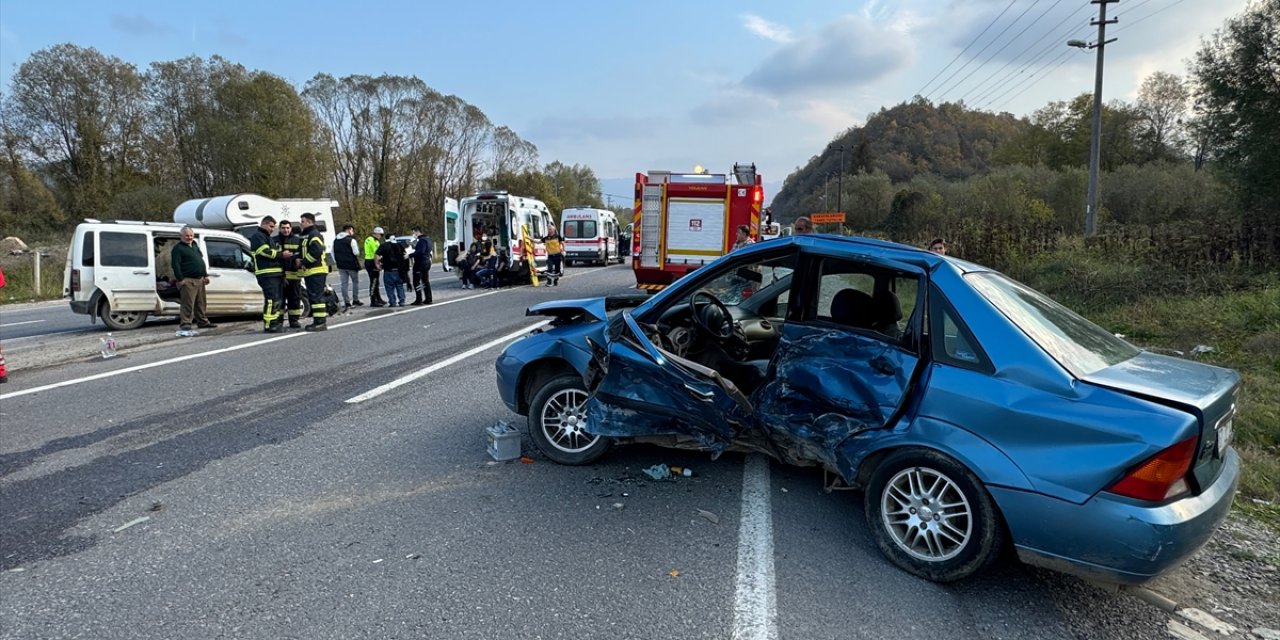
557, 421
931, 516
120, 320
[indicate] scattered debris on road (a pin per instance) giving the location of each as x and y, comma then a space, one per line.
135, 521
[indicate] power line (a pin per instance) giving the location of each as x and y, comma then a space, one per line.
1062, 60
1038, 41
1008, 83
966, 48
1164, 8
988, 45
1006, 45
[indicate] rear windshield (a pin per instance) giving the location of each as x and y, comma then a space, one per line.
1080, 346
580, 229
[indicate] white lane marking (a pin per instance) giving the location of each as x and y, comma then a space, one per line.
755, 607
454, 359
14, 324
152, 365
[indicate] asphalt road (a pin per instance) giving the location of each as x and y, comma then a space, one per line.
275, 508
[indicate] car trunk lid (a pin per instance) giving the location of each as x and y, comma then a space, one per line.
1208, 392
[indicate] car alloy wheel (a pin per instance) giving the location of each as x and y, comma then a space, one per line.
563, 420
931, 516
558, 420
926, 514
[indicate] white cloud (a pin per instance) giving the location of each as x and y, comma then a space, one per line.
768, 30
848, 52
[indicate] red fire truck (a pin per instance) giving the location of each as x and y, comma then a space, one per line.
685, 220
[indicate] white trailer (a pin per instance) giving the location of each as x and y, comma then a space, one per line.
244, 211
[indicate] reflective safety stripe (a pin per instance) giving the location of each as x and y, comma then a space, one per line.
268, 271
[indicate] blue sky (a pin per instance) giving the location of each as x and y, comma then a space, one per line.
627, 87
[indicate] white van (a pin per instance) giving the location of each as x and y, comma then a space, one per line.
590, 235
500, 215
121, 272
244, 211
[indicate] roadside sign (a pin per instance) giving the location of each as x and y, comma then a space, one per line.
827, 218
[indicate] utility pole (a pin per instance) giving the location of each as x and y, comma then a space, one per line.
1095, 144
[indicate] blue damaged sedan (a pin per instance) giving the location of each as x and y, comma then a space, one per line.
972, 411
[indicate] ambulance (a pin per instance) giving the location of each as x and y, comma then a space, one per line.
590, 235
685, 220
500, 216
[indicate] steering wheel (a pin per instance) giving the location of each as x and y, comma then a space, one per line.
713, 317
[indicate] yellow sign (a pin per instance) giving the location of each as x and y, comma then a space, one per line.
826, 218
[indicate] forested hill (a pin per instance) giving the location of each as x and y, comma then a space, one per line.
911, 138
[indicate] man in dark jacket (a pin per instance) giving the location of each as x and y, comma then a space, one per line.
346, 253
268, 265
314, 270
192, 276
293, 291
423, 252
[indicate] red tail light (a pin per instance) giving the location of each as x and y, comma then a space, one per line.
1161, 476
75, 281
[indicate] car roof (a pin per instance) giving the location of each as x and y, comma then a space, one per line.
893, 250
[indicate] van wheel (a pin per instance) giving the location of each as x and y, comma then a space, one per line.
120, 320
557, 416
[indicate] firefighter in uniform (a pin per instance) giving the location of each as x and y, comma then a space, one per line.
268, 260
314, 271
293, 292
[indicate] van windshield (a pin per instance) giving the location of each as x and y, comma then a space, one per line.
580, 229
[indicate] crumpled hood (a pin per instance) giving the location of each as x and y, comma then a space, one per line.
585, 309
1193, 384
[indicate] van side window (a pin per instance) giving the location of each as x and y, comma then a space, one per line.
124, 249
86, 250
224, 254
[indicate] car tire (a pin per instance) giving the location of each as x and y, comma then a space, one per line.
120, 320
902, 508
556, 417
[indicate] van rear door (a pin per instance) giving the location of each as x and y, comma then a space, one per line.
126, 271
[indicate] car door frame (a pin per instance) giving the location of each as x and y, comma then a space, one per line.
803, 436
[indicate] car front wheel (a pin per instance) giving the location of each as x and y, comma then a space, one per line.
557, 421
930, 516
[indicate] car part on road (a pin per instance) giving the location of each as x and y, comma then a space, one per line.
557, 417
504, 441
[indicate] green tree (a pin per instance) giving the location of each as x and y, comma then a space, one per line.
263, 139
1237, 71
1162, 103
80, 114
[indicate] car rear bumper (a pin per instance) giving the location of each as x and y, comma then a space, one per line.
1115, 539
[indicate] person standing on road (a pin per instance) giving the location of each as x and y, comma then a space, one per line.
371, 246
268, 261
938, 246
555, 254
744, 237
423, 252
389, 258
346, 253
293, 293
314, 271
192, 275
803, 225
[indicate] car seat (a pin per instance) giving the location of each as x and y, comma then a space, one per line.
888, 311
854, 308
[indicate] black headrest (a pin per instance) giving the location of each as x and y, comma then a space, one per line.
888, 308
854, 308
